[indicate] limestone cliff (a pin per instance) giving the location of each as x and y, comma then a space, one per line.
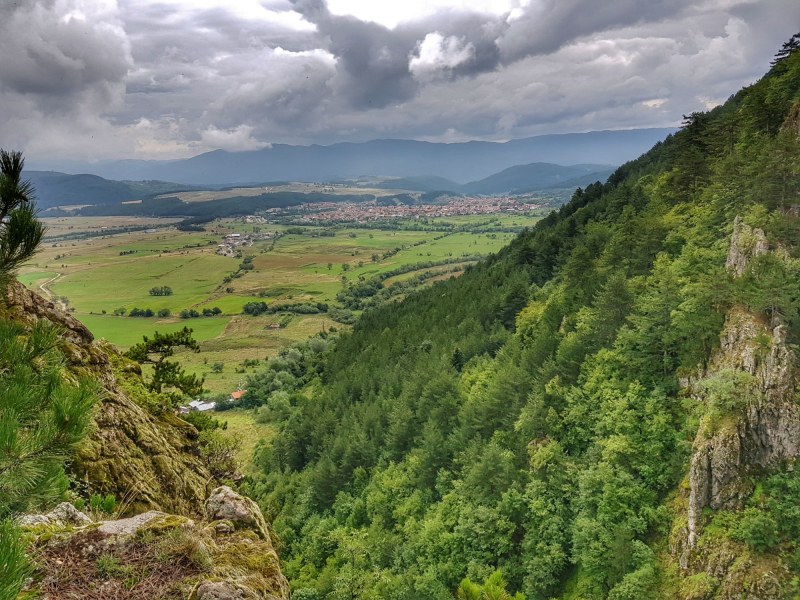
147, 461
755, 432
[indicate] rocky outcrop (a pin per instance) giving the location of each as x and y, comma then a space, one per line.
158, 555
763, 434
746, 243
148, 461
226, 505
63, 514
764, 431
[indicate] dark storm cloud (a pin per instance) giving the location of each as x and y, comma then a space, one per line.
177, 77
374, 68
51, 54
547, 25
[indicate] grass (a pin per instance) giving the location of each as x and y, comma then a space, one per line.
244, 338
243, 427
124, 332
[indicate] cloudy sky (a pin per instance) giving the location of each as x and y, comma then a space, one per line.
99, 79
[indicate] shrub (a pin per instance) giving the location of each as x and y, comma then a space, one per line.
757, 529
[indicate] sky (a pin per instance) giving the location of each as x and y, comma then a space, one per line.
161, 79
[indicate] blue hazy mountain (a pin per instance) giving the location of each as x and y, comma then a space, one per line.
459, 162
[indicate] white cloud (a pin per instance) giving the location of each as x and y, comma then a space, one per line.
236, 139
655, 102
392, 14
438, 53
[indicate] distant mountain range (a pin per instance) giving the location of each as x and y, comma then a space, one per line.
459, 162
513, 180
61, 189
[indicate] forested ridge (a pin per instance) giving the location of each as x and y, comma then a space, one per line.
533, 416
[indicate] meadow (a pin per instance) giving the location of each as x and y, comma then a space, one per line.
97, 277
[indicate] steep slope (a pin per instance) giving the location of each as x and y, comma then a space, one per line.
602, 410
146, 461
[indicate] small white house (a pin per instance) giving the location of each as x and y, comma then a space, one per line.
198, 406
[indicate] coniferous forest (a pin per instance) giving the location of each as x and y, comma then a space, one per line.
538, 426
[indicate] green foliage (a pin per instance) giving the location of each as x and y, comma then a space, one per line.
160, 290
168, 376
729, 391
203, 421
494, 588
103, 504
526, 417
757, 529
14, 568
44, 414
219, 453
20, 231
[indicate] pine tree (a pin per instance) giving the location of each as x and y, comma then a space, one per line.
20, 231
166, 373
43, 413
786, 50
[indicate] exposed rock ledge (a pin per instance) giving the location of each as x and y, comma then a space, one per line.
155, 555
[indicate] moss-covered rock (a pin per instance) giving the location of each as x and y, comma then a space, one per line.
155, 555
148, 459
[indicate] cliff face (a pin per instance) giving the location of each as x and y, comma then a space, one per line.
146, 461
761, 436
756, 432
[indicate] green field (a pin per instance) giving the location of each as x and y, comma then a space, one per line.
243, 427
97, 274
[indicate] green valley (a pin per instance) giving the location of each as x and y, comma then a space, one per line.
102, 272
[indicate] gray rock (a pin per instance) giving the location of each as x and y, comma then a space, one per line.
63, 514
33, 520
766, 432
746, 243
226, 505
218, 590
66, 513
129, 526
763, 435
223, 527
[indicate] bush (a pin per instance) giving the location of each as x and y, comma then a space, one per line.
757, 529
103, 504
204, 421
219, 453
164, 312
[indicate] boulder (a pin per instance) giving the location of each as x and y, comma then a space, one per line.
226, 505
63, 514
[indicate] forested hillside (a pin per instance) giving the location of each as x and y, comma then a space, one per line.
565, 412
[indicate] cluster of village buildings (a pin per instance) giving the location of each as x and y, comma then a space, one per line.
362, 212
233, 242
